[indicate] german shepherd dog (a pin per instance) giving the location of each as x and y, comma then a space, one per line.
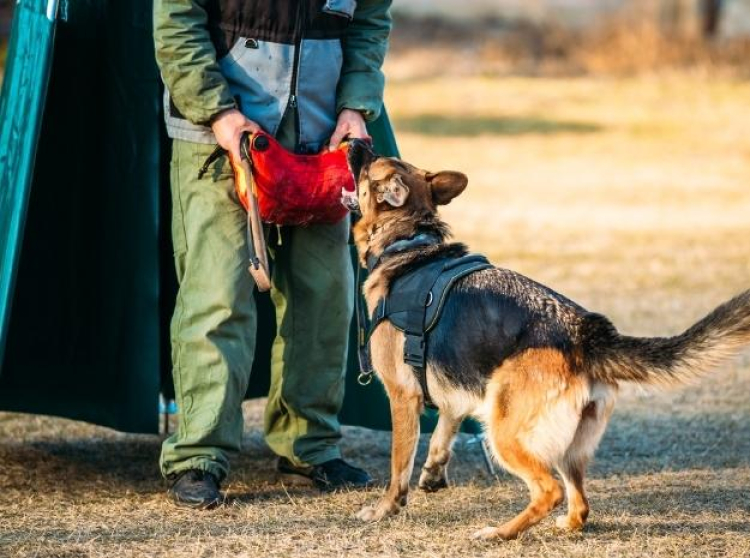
540, 372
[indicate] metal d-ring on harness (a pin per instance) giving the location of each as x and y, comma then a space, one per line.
413, 304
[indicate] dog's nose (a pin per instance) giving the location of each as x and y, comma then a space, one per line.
359, 143
360, 153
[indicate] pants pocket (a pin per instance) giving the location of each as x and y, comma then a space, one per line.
179, 236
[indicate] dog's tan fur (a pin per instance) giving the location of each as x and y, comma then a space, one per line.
543, 410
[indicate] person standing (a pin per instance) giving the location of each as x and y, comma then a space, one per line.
309, 73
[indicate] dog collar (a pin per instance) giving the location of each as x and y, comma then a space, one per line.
417, 241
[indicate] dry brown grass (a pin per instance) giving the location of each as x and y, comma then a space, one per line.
629, 195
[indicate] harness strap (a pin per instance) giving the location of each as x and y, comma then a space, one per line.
214, 156
365, 324
415, 345
363, 335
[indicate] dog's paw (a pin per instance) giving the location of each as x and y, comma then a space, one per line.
430, 482
568, 524
382, 509
492, 533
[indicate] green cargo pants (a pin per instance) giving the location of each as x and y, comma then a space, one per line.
214, 325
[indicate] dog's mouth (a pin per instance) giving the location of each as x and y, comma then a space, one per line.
349, 199
359, 155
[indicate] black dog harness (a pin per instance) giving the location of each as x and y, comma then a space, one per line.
413, 304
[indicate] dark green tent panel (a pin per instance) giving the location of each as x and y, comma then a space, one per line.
85, 330
84, 321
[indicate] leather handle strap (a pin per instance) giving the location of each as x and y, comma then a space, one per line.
256, 238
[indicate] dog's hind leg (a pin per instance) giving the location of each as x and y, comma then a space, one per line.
572, 473
435, 470
532, 414
405, 410
544, 489
572, 468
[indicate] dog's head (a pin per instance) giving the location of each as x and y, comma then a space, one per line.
386, 184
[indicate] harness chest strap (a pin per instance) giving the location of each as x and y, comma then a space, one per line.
364, 323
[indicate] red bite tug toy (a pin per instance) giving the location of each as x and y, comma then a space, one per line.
295, 189
281, 188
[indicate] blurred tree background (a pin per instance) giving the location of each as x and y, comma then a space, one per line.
573, 37
562, 36
694, 17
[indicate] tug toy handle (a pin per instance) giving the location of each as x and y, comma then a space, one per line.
256, 238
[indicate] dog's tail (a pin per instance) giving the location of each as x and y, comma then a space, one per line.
612, 358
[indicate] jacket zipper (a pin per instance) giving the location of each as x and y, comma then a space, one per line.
295, 72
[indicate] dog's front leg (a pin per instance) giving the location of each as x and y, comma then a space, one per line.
405, 409
435, 471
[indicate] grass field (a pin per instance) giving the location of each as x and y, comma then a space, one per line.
629, 195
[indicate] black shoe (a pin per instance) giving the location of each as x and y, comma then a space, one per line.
329, 476
195, 489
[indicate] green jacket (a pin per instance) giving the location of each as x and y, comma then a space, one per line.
267, 57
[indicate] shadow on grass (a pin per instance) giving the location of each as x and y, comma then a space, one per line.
637, 444
634, 445
471, 126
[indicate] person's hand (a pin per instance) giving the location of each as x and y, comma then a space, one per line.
350, 124
228, 128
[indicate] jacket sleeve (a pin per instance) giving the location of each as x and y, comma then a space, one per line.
365, 44
187, 59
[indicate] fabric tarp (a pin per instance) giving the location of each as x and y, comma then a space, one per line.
82, 340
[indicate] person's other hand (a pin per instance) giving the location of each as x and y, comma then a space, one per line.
350, 124
228, 128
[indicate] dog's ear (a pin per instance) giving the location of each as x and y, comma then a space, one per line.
446, 185
394, 192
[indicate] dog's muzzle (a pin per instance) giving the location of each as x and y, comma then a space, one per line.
350, 199
360, 154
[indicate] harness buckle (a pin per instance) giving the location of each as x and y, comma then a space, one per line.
414, 349
380, 310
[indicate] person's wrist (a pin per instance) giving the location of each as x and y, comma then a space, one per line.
228, 122
361, 113
221, 114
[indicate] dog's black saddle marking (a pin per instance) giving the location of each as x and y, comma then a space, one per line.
414, 303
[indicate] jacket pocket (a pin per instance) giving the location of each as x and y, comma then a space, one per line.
344, 8
259, 74
238, 49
